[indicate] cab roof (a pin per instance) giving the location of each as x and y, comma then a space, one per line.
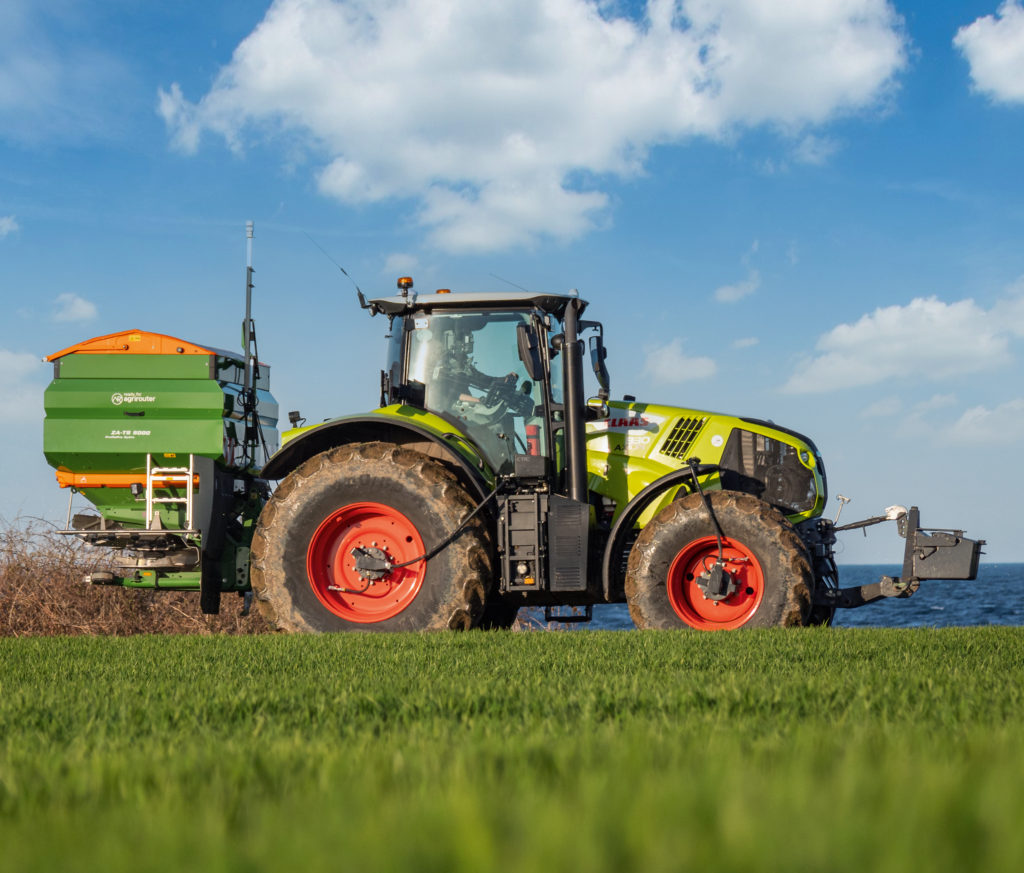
546, 302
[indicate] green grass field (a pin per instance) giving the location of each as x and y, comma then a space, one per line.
869, 750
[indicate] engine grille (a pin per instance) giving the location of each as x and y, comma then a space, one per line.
677, 444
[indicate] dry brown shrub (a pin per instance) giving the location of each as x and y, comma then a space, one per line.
42, 593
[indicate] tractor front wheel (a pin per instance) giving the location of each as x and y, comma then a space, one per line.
679, 576
328, 546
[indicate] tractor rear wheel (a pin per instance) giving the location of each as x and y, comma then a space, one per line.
382, 505
499, 615
674, 578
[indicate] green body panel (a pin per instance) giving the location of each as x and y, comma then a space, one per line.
106, 412
222, 367
186, 580
120, 506
108, 424
88, 431
443, 430
125, 366
234, 561
639, 443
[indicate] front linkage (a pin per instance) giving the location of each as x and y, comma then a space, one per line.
930, 553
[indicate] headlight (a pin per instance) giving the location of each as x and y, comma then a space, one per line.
775, 471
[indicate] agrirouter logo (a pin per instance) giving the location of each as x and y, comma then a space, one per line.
131, 397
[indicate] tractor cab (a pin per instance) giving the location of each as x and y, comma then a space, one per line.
487, 364
505, 370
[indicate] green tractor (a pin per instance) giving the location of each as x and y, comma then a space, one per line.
486, 482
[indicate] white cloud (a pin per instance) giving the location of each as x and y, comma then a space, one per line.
927, 339
400, 263
994, 48
503, 214
886, 407
8, 225
981, 425
502, 120
1009, 311
936, 401
21, 396
745, 342
815, 150
738, 290
71, 307
920, 422
181, 117
668, 364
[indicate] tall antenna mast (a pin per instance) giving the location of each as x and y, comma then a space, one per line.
247, 326
250, 415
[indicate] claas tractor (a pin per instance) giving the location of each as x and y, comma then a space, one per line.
486, 481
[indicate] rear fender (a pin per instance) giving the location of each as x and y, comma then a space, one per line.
377, 428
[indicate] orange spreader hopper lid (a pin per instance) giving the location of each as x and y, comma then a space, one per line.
133, 342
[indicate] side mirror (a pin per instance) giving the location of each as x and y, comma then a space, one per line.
598, 353
529, 351
597, 409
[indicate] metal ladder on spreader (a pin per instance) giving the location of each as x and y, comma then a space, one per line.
170, 476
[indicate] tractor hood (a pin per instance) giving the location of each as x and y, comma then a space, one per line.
639, 442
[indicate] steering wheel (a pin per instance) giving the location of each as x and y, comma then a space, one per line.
502, 390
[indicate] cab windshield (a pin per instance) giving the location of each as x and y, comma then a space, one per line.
469, 368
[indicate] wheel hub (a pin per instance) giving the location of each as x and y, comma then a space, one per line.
371, 563
718, 583
712, 592
351, 562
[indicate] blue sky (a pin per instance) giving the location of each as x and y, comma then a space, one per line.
811, 212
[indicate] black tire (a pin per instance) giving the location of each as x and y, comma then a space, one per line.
771, 572
821, 616
314, 518
499, 615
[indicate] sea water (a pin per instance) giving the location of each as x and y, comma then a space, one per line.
995, 597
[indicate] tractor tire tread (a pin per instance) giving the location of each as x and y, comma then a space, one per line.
468, 558
790, 564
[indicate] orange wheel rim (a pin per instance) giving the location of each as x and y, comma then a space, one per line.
691, 603
331, 566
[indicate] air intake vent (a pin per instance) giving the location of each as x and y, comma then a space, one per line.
682, 437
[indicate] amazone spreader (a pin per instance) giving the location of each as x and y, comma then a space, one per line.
485, 481
162, 437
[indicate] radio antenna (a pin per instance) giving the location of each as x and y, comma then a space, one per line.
513, 284
253, 432
344, 272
